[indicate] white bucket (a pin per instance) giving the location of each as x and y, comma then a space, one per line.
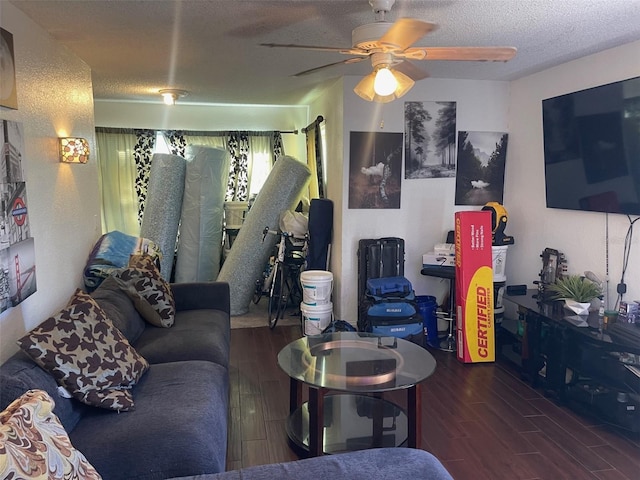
234, 213
499, 263
315, 318
316, 287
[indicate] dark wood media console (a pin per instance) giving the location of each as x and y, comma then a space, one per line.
572, 358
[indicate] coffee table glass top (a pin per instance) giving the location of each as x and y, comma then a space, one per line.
353, 362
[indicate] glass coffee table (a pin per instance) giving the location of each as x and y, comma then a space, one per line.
357, 368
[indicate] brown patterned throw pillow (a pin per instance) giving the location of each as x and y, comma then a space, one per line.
151, 294
145, 262
33, 443
86, 354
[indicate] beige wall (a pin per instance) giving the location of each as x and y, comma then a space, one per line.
426, 205
581, 236
54, 99
220, 117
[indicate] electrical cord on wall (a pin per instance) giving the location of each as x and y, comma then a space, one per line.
622, 287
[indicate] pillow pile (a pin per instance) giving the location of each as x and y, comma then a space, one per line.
150, 293
33, 443
86, 354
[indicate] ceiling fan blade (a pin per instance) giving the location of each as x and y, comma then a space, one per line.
345, 51
404, 33
343, 62
411, 70
477, 54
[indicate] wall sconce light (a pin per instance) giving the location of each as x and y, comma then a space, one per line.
170, 95
74, 150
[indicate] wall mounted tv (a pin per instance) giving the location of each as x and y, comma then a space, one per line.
592, 148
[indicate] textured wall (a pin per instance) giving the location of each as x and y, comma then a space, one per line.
54, 99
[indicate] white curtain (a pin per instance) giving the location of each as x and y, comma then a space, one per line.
207, 140
117, 182
118, 172
260, 161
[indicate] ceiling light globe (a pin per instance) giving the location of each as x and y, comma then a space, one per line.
385, 83
169, 98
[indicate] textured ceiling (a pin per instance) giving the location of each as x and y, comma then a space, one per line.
211, 48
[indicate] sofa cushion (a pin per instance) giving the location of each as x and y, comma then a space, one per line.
119, 308
151, 294
33, 443
195, 335
179, 426
372, 464
20, 374
86, 354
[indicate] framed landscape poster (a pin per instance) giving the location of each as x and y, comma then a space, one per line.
375, 170
429, 139
481, 160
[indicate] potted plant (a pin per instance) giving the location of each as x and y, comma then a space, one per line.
576, 291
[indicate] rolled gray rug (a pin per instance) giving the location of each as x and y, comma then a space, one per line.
161, 216
200, 243
249, 254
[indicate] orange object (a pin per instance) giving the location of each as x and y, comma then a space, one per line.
474, 287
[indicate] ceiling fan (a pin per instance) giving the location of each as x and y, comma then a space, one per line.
389, 46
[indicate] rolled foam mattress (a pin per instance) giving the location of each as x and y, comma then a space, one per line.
249, 255
200, 242
161, 217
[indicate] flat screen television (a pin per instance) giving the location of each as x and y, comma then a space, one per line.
592, 148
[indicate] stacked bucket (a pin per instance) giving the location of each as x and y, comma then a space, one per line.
316, 306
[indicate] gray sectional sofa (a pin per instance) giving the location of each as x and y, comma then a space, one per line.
375, 464
179, 424
178, 428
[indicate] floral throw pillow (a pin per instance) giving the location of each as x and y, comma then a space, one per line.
151, 294
33, 443
86, 354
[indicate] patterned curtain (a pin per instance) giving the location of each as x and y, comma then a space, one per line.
278, 148
238, 185
142, 155
176, 141
119, 175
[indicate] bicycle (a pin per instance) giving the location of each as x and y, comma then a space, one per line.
263, 283
285, 287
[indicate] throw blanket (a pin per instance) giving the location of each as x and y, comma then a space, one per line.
111, 252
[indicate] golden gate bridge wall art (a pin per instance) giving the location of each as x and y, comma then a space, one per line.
17, 252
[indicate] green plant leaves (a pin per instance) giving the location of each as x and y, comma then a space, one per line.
575, 287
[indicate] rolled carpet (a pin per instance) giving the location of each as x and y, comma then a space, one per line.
249, 255
200, 242
161, 217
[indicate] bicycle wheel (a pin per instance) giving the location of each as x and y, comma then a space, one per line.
275, 296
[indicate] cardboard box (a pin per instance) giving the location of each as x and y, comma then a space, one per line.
445, 249
474, 287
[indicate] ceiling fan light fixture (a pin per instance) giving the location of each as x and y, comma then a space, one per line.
364, 88
405, 83
385, 82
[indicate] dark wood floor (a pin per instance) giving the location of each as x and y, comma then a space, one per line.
480, 420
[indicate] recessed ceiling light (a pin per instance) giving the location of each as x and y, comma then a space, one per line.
170, 95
